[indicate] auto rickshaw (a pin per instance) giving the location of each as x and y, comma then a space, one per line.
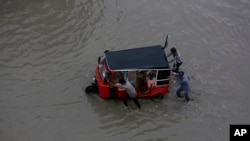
146, 68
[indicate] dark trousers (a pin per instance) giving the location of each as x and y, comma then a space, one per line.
176, 67
125, 101
178, 92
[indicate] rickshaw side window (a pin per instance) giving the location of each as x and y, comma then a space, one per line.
163, 74
162, 77
131, 75
162, 82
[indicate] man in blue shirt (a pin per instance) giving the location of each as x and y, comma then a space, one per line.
184, 85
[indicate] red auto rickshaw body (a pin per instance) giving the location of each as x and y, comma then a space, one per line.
140, 66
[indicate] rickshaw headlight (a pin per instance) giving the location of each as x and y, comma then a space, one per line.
94, 78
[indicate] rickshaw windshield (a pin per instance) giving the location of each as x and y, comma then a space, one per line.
103, 70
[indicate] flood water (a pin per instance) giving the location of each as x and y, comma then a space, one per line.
49, 50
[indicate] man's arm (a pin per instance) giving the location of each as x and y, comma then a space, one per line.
118, 85
169, 54
171, 61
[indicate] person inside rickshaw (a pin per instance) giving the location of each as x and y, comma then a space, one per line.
117, 76
141, 83
150, 81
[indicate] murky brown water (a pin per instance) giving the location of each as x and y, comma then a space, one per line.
49, 50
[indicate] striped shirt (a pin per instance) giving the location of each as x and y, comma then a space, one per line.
177, 58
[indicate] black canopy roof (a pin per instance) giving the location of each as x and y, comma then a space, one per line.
152, 57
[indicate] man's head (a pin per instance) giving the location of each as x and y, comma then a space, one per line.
181, 73
122, 81
150, 76
173, 50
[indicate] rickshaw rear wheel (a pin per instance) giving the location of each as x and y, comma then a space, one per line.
157, 97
